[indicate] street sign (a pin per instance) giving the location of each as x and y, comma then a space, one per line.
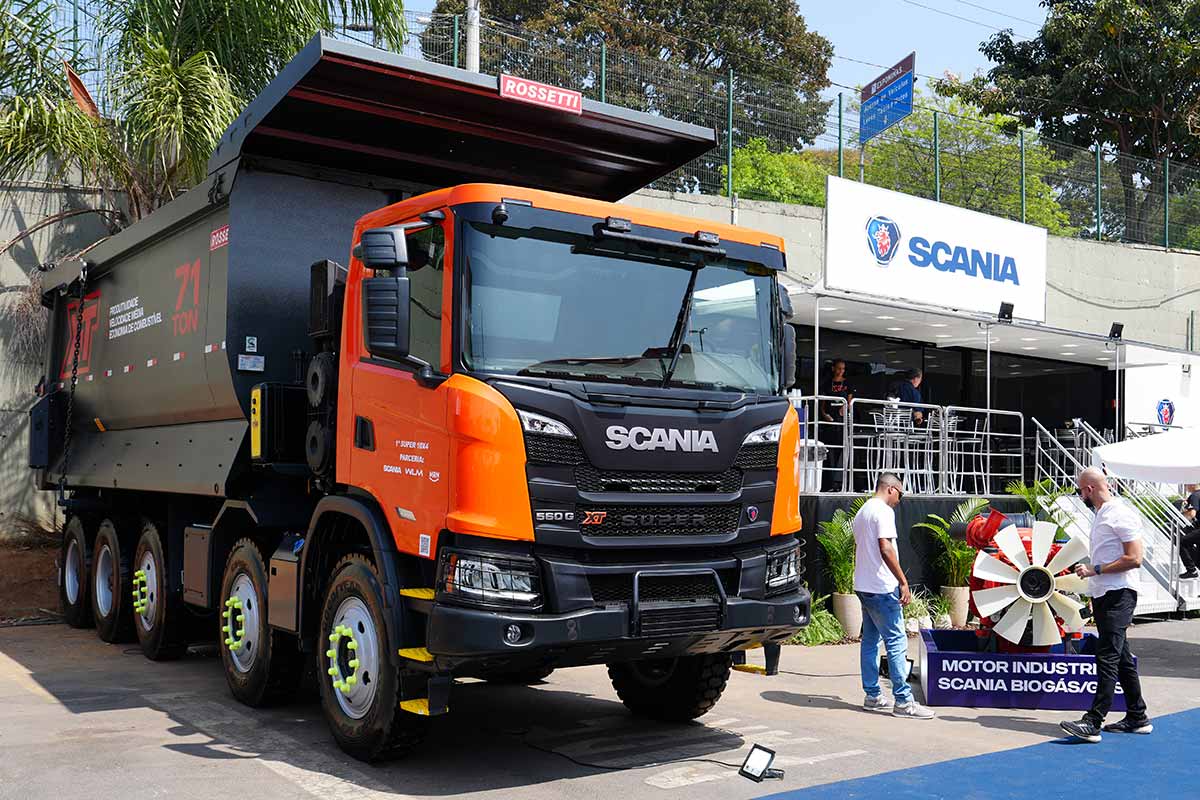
887, 99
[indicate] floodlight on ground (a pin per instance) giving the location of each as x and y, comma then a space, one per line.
757, 766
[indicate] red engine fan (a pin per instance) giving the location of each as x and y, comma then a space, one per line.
1020, 582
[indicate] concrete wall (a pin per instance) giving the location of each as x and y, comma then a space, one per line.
21, 207
1090, 284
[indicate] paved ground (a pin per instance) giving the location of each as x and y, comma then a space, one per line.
78, 716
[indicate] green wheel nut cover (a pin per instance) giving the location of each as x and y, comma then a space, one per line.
141, 592
235, 630
340, 683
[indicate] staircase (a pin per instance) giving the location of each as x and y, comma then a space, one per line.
1158, 583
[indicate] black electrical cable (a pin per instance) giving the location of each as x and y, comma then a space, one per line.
590, 765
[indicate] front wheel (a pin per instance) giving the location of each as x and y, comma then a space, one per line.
672, 689
361, 686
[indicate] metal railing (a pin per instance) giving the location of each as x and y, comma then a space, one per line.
934, 449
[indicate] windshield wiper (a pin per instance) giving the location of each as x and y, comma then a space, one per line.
679, 334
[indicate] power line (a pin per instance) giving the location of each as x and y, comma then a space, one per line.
959, 17
999, 13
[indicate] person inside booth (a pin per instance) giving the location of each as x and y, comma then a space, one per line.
831, 428
908, 390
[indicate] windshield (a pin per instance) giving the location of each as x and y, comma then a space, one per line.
546, 303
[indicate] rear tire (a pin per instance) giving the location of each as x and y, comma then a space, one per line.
366, 719
157, 621
672, 689
264, 666
75, 576
112, 603
525, 677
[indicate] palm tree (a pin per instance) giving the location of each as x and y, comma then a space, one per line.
177, 74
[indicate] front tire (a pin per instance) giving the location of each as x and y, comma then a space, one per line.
112, 604
361, 685
157, 612
74, 576
672, 689
261, 665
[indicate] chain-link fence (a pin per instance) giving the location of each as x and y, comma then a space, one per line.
774, 145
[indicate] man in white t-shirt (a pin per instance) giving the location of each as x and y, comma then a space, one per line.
881, 586
1116, 553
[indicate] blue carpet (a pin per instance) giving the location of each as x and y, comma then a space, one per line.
1120, 767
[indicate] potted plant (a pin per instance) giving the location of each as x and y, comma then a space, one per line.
939, 611
916, 613
837, 538
957, 557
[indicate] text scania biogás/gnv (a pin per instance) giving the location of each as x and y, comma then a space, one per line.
520, 430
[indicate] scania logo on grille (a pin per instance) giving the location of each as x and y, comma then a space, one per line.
639, 438
659, 520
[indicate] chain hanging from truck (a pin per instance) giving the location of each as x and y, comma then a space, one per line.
62, 478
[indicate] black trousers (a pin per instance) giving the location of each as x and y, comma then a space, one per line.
1114, 662
1189, 548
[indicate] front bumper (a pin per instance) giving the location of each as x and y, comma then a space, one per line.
469, 639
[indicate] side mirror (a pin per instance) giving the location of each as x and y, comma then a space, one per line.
385, 316
383, 248
789, 356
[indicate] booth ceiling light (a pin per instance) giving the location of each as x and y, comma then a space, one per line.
1029, 338
843, 321
1030, 347
937, 325
884, 316
831, 308
1030, 586
943, 336
1116, 331
895, 329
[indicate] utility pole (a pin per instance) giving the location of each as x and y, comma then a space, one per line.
473, 35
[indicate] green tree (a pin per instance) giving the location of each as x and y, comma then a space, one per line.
980, 164
177, 74
789, 177
670, 59
1124, 73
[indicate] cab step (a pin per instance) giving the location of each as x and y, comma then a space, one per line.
419, 707
436, 704
416, 654
418, 599
418, 594
753, 669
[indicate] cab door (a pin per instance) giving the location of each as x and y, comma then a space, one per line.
399, 446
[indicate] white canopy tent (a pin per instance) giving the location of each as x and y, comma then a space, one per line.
1172, 457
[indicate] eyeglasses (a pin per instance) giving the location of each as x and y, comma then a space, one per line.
899, 492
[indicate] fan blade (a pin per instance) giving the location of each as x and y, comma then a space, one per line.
990, 602
989, 568
1045, 627
1009, 542
1071, 583
1012, 625
1069, 610
1043, 536
1070, 553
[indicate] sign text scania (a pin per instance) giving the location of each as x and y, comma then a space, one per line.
541, 94
639, 438
976, 263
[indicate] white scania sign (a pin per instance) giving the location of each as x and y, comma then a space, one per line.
895, 246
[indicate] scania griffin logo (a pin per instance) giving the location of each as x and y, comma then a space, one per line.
883, 237
690, 440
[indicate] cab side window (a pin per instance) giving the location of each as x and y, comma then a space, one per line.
426, 250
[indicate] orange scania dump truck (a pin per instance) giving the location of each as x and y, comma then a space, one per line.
520, 430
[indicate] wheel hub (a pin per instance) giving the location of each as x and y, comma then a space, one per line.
241, 623
104, 581
1035, 584
145, 591
654, 672
353, 658
72, 569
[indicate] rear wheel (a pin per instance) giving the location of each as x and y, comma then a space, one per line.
361, 686
74, 576
261, 665
112, 603
672, 689
157, 613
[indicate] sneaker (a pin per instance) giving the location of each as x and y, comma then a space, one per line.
1191, 573
1084, 730
877, 703
913, 710
1127, 725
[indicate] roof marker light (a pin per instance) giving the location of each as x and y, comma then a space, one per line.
618, 224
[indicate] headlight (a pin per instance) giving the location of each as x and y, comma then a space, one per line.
489, 579
783, 570
536, 423
767, 435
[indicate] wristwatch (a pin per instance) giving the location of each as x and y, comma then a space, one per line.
1097, 568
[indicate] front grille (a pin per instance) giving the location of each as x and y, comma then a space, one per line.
757, 456
680, 620
545, 449
619, 588
655, 520
590, 479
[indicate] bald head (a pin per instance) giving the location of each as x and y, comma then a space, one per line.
1093, 487
889, 488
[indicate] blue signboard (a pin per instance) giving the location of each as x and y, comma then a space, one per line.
887, 99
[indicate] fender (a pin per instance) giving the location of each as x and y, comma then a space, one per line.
383, 548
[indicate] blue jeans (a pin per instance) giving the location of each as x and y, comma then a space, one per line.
882, 616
